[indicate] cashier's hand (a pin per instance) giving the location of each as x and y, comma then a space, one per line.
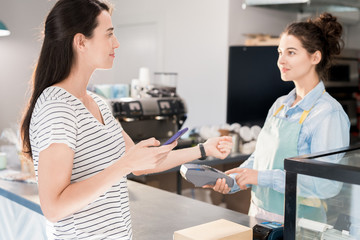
220, 186
244, 176
218, 147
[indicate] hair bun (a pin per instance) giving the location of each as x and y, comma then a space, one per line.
332, 30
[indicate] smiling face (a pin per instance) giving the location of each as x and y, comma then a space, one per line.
100, 48
294, 62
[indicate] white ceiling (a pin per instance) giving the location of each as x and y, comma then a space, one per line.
308, 5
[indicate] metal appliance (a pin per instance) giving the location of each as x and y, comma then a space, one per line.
343, 84
312, 230
345, 70
201, 175
142, 118
268, 231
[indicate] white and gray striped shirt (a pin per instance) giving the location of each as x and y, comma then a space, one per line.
60, 117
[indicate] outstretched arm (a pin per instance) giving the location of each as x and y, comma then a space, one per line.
218, 147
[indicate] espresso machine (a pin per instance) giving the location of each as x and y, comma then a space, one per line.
143, 118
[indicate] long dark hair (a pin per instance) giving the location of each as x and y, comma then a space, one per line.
320, 34
67, 18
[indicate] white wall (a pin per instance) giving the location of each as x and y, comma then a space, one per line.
18, 54
193, 35
196, 46
255, 20
192, 40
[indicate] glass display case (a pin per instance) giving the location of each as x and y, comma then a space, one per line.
322, 195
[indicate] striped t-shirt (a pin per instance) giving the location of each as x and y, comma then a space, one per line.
60, 117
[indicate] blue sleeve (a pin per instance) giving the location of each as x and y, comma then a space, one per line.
236, 187
249, 163
308, 186
332, 132
274, 179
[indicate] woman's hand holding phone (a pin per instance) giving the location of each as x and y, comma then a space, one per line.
148, 154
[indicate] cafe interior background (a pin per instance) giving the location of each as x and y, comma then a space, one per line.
193, 43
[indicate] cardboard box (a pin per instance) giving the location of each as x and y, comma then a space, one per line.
217, 230
261, 40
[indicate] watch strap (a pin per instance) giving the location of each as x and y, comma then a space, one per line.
202, 151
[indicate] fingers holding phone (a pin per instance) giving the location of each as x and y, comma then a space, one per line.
170, 144
143, 155
149, 154
176, 136
164, 150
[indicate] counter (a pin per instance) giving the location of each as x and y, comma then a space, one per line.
155, 213
20, 214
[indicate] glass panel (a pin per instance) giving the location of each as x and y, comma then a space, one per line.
327, 209
351, 158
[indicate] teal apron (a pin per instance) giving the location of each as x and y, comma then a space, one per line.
278, 140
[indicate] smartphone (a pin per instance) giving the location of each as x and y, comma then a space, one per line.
176, 136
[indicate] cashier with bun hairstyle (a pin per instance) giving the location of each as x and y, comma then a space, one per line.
81, 153
307, 120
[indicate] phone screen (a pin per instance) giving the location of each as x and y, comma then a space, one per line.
176, 136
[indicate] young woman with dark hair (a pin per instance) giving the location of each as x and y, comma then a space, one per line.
80, 152
307, 120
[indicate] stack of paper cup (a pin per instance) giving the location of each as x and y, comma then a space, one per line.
135, 88
144, 76
255, 131
245, 133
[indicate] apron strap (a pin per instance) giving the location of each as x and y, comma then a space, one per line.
279, 109
303, 115
306, 112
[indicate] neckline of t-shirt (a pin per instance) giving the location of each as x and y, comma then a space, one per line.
87, 110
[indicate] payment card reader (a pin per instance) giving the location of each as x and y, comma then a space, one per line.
268, 231
201, 175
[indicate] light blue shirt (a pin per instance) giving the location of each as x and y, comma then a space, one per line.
326, 127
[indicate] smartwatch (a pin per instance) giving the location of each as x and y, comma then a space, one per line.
202, 151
